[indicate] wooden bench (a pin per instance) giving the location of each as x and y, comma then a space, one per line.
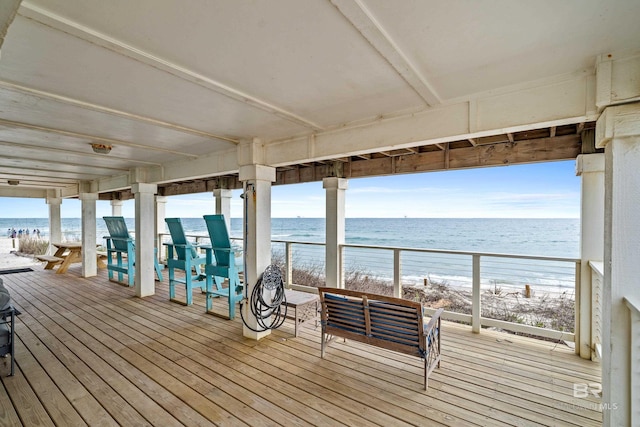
50, 260
385, 322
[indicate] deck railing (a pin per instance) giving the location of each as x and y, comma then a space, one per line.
634, 357
499, 277
597, 281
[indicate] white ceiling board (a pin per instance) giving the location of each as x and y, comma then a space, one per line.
467, 47
43, 175
286, 52
40, 57
49, 113
43, 165
131, 156
115, 160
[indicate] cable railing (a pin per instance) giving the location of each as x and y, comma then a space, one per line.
520, 293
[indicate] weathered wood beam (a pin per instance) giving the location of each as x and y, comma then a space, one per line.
530, 151
472, 141
552, 131
510, 136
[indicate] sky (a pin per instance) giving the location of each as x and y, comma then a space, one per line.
541, 190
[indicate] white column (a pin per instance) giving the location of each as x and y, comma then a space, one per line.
145, 227
618, 131
223, 205
590, 168
55, 222
335, 207
257, 181
89, 265
116, 207
161, 203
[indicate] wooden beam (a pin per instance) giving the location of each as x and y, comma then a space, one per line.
552, 131
510, 136
531, 151
472, 141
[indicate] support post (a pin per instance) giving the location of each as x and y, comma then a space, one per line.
590, 168
89, 264
257, 181
618, 131
145, 227
161, 203
335, 229
116, 207
223, 205
55, 222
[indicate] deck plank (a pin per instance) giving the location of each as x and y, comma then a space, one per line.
88, 346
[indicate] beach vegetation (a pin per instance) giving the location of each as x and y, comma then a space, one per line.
33, 246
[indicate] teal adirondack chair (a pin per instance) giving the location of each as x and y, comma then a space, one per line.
120, 243
182, 255
221, 265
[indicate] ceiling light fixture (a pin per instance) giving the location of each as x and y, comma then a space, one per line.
13, 182
101, 148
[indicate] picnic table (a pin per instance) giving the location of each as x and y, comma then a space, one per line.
66, 254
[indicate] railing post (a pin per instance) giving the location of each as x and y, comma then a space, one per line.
341, 284
596, 310
634, 360
288, 260
476, 308
580, 314
397, 274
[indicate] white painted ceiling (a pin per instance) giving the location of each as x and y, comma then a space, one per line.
166, 81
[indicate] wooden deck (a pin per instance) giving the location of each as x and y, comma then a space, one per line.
90, 352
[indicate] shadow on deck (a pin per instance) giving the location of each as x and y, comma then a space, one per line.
90, 352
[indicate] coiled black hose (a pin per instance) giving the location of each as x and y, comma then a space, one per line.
270, 312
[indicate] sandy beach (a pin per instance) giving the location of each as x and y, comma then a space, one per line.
9, 258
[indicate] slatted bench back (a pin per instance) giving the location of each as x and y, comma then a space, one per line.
385, 322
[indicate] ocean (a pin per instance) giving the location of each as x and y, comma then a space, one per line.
538, 237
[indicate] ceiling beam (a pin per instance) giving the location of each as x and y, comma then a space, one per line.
16, 191
8, 10
28, 148
357, 13
44, 173
91, 138
75, 29
106, 110
94, 168
495, 113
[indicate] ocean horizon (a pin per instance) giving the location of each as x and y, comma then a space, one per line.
557, 237
529, 237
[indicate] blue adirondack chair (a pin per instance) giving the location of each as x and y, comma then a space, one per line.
221, 265
182, 255
119, 245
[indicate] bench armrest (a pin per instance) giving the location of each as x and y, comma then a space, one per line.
434, 322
